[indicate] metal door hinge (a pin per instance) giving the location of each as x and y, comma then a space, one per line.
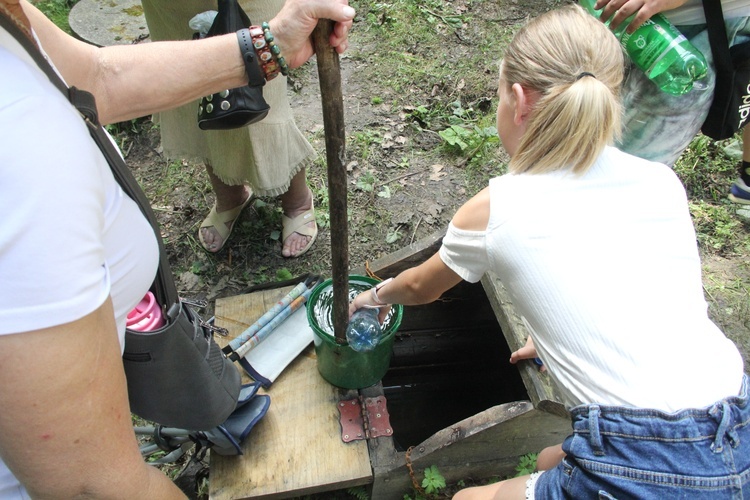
364, 418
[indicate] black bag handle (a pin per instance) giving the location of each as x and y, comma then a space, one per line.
164, 287
717, 35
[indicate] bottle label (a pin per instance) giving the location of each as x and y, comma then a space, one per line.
649, 43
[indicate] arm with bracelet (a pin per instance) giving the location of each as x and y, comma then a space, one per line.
130, 81
426, 282
65, 426
419, 285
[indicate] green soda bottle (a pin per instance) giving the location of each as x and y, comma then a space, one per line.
661, 52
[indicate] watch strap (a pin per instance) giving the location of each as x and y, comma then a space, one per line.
254, 74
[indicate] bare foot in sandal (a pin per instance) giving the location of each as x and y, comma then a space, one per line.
216, 228
299, 228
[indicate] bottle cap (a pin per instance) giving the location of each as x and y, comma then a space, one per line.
146, 316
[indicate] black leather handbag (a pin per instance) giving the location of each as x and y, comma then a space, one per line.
730, 108
232, 108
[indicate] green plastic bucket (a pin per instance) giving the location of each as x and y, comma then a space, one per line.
339, 364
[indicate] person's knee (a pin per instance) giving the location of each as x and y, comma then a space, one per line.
549, 457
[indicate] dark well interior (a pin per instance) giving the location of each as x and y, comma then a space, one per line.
450, 361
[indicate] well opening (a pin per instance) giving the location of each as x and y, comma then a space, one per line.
450, 361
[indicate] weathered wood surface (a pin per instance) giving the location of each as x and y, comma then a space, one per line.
542, 390
409, 256
329, 74
287, 452
490, 442
448, 363
296, 449
487, 444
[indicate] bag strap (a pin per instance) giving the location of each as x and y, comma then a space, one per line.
164, 287
717, 34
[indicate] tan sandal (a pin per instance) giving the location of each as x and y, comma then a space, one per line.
219, 220
299, 225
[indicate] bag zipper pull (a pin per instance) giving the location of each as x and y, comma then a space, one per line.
216, 329
199, 303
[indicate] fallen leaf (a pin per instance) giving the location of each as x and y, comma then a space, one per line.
434, 210
437, 172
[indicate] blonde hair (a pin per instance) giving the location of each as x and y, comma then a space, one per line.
575, 65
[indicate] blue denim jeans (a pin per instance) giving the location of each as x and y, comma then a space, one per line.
658, 126
618, 452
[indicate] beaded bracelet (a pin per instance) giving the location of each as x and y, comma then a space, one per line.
275, 50
265, 57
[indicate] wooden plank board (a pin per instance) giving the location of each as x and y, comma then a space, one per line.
296, 449
404, 258
543, 391
484, 445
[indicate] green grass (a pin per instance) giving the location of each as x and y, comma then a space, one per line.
707, 172
408, 33
57, 11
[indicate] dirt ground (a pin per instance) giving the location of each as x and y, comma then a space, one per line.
426, 193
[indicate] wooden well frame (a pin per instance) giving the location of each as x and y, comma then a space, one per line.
297, 448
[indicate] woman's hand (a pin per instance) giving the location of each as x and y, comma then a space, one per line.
528, 351
296, 21
620, 10
14, 8
365, 299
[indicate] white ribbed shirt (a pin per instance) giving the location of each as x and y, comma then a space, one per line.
605, 269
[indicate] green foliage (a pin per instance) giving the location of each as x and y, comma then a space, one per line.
385, 192
199, 266
705, 170
433, 481
362, 143
526, 464
409, 32
459, 114
360, 493
366, 182
283, 274
203, 486
717, 227
260, 276
319, 187
423, 115
468, 139
57, 11
132, 127
393, 236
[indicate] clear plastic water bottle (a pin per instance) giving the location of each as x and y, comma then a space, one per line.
363, 331
661, 52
